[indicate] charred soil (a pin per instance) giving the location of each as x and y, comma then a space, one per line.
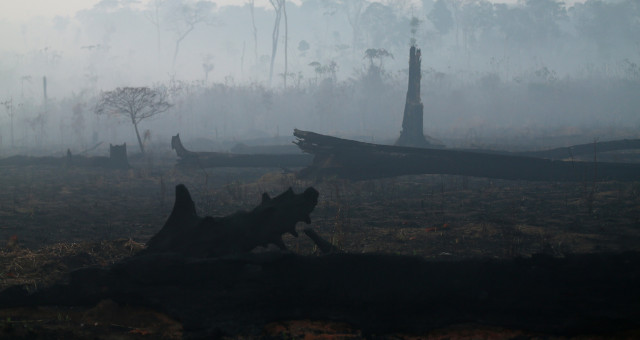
54, 219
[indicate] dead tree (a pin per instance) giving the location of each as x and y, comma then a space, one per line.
188, 234
226, 159
412, 121
278, 7
586, 149
134, 103
185, 17
358, 161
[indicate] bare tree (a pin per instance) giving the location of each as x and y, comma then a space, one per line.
286, 42
254, 30
8, 104
278, 5
186, 18
353, 9
135, 103
207, 66
153, 15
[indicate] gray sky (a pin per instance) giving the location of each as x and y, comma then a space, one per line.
24, 9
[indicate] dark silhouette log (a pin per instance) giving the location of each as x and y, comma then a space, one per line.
188, 234
117, 160
225, 159
357, 160
325, 246
239, 292
378, 294
588, 149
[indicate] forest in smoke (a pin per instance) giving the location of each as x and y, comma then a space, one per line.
492, 72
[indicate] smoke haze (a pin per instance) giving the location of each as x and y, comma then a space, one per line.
526, 71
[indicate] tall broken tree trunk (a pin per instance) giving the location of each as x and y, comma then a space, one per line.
412, 121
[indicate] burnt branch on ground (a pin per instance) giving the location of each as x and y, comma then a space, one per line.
207, 159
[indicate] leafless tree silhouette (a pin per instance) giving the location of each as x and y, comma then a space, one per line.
185, 19
278, 6
135, 103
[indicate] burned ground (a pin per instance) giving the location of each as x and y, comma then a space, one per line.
55, 219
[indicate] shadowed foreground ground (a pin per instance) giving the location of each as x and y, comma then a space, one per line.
466, 277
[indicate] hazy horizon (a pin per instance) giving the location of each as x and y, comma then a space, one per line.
488, 69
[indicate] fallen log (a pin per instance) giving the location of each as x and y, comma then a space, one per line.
117, 159
239, 292
358, 160
241, 148
378, 294
225, 159
588, 149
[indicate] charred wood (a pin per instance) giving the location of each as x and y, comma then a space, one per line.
325, 246
357, 160
412, 121
224, 159
379, 294
190, 235
238, 292
588, 149
117, 160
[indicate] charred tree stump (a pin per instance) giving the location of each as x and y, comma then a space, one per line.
412, 121
117, 159
118, 156
181, 151
190, 235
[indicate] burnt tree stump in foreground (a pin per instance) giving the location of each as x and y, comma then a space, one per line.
190, 235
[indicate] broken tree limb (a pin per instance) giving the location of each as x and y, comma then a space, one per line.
325, 246
357, 160
85, 151
224, 159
